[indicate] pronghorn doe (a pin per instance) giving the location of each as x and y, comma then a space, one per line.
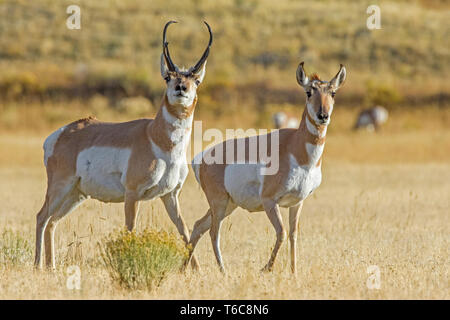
282, 120
123, 162
228, 186
371, 118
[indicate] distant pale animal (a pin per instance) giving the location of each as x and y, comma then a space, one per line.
282, 120
371, 119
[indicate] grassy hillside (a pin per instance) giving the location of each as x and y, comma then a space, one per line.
257, 47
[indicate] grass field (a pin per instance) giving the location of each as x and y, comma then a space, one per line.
384, 198
384, 201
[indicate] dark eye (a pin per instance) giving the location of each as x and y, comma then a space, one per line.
167, 79
333, 94
308, 93
197, 82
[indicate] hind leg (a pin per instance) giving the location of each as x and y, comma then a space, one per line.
41, 223
54, 199
219, 210
204, 224
70, 202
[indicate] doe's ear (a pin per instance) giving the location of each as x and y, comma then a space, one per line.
200, 75
302, 79
339, 78
164, 69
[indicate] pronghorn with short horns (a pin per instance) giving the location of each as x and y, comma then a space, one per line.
123, 162
371, 119
228, 186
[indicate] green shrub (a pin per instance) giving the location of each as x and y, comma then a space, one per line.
14, 249
141, 261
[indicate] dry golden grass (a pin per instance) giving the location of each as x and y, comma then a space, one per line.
384, 201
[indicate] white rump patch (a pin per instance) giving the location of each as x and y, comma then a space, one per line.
49, 144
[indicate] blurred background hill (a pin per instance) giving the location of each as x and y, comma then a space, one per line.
110, 67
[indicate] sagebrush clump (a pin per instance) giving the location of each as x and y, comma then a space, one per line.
142, 261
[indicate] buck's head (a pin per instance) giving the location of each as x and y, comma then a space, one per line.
182, 84
320, 94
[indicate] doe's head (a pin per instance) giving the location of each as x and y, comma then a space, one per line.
182, 84
320, 94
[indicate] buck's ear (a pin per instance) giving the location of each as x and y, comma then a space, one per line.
164, 69
302, 79
200, 75
339, 78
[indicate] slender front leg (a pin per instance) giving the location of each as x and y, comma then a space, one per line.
273, 212
131, 209
172, 206
294, 214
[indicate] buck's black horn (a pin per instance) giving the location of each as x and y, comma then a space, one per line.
170, 65
202, 60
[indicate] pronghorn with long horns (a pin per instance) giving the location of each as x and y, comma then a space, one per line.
123, 162
231, 185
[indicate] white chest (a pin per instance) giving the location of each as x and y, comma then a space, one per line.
300, 183
170, 171
171, 166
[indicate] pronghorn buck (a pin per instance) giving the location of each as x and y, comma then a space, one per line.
231, 185
123, 162
371, 118
282, 120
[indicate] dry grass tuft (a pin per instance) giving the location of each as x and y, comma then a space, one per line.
15, 250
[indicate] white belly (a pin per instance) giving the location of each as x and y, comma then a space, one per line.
243, 182
102, 172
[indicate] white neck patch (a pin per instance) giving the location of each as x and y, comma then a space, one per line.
314, 152
181, 127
